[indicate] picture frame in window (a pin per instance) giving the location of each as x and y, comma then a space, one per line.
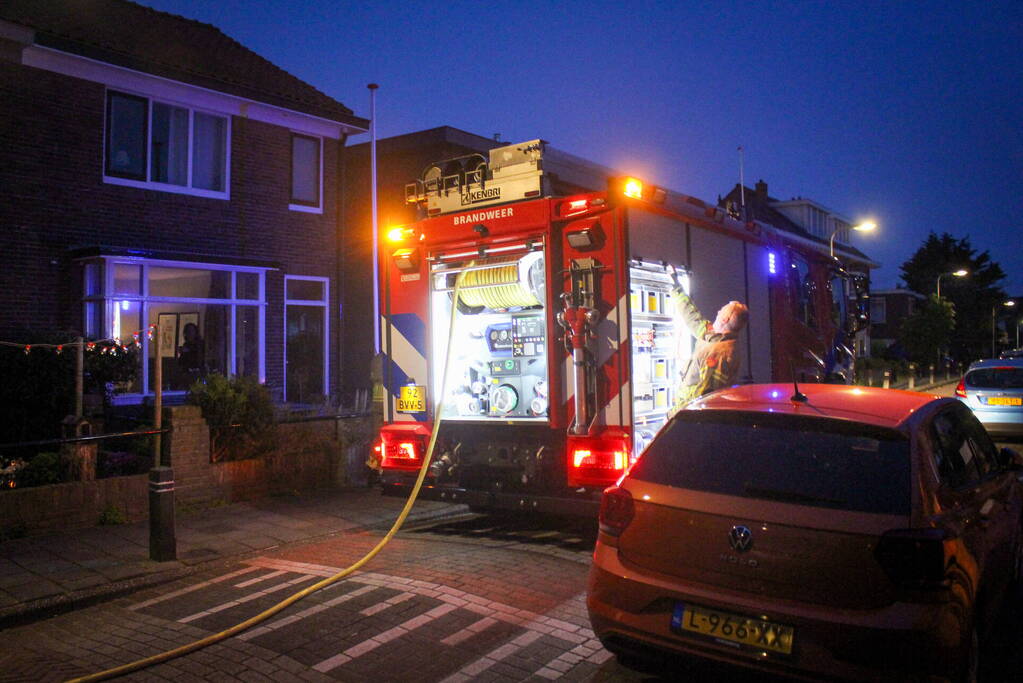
167, 329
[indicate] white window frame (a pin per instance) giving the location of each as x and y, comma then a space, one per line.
168, 187
108, 298
325, 304
305, 208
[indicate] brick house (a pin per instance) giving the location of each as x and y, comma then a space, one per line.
155, 171
889, 308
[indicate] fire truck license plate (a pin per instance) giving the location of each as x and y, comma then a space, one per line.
752, 633
412, 399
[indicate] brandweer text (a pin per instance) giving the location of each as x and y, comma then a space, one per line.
481, 216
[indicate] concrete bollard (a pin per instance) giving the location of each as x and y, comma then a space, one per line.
932, 373
870, 377
887, 383
163, 545
912, 377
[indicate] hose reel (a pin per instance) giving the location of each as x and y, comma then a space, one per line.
504, 283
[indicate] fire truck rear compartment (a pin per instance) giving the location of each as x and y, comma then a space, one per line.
499, 342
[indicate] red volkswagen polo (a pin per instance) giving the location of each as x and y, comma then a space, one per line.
834, 533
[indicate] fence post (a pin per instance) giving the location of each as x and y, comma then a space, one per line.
887, 383
912, 376
79, 459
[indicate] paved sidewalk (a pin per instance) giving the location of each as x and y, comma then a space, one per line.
48, 574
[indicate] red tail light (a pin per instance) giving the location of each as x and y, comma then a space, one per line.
407, 451
597, 460
961, 388
616, 510
913, 557
604, 459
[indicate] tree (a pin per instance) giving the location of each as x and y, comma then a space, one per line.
927, 333
973, 296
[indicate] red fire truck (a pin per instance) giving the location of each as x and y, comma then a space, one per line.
563, 346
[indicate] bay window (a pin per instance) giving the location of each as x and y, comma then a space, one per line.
208, 317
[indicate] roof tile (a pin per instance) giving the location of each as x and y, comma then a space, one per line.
136, 37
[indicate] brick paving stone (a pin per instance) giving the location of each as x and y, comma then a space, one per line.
540, 595
35, 589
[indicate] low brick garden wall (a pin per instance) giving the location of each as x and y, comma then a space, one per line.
75, 505
311, 456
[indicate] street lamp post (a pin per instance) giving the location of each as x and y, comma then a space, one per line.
958, 273
1008, 304
865, 226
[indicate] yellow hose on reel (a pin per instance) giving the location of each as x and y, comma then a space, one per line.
496, 288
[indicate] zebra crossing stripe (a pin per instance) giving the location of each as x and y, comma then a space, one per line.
376, 641
244, 599
258, 579
491, 612
193, 587
308, 612
488, 660
469, 631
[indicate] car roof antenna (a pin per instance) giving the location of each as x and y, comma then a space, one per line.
798, 396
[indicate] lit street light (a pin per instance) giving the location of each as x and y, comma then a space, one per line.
958, 273
865, 226
1008, 304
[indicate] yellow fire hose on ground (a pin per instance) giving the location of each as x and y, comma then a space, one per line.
284, 604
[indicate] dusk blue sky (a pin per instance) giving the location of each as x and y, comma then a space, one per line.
905, 112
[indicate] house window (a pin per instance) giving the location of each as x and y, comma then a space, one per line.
161, 146
305, 172
305, 340
127, 120
878, 310
209, 318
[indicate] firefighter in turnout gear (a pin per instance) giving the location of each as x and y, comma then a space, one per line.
714, 363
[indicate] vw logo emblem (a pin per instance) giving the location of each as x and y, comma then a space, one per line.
740, 538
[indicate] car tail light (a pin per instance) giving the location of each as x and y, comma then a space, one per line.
913, 557
616, 510
961, 388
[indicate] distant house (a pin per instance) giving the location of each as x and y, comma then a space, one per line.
155, 171
888, 309
806, 223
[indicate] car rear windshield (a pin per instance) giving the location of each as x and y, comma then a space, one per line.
812, 461
995, 378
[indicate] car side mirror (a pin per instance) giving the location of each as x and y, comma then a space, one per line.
1010, 459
